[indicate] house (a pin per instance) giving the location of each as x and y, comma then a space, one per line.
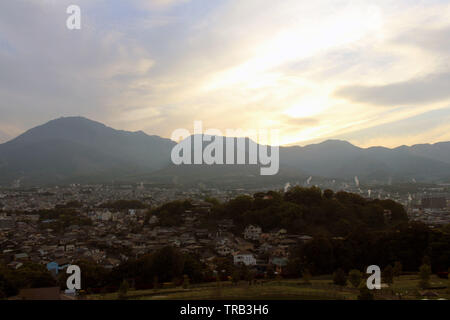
305, 238
153, 220
280, 263
288, 242
252, 232
106, 216
265, 247
279, 251
201, 233
225, 224
175, 243
207, 255
245, 258
223, 250
15, 265
265, 237
281, 233
243, 245
7, 223
21, 256
111, 263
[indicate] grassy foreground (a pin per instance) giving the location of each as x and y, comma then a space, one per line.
319, 289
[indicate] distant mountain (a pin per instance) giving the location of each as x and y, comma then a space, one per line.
439, 151
236, 175
78, 150
340, 159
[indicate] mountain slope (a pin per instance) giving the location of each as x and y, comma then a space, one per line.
76, 149
439, 151
64, 149
340, 159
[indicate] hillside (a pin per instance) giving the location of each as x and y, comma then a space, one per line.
78, 150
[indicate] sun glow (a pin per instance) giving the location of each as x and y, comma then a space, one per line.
299, 42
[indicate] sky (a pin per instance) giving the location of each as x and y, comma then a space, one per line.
369, 72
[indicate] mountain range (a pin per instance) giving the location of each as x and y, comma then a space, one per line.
79, 150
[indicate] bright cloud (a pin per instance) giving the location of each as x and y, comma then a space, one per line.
312, 69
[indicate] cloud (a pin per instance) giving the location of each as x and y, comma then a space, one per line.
434, 40
300, 122
158, 4
432, 88
160, 65
426, 127
49, 71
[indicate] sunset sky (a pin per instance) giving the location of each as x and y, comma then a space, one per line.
370, 72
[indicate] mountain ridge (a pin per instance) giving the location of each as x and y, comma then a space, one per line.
324, 142
70, 149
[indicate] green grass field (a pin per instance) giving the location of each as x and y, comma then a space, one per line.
320, 289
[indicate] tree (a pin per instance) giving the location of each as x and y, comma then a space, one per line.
304, 196
155, 283
306, 276
426, 260
212, 200
245, 272
365, 293
424, 276
278, 277
7, 287
123, 290
448, 285
167, 263
251, 277
397, 268
193, 268
270, 272
32, 275
185, 281
355, 277
388, 274
340, 278
235, 277
328, 194
294, 267
217, 292
92, 275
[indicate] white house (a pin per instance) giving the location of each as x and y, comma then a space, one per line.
246, 258
252, 232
